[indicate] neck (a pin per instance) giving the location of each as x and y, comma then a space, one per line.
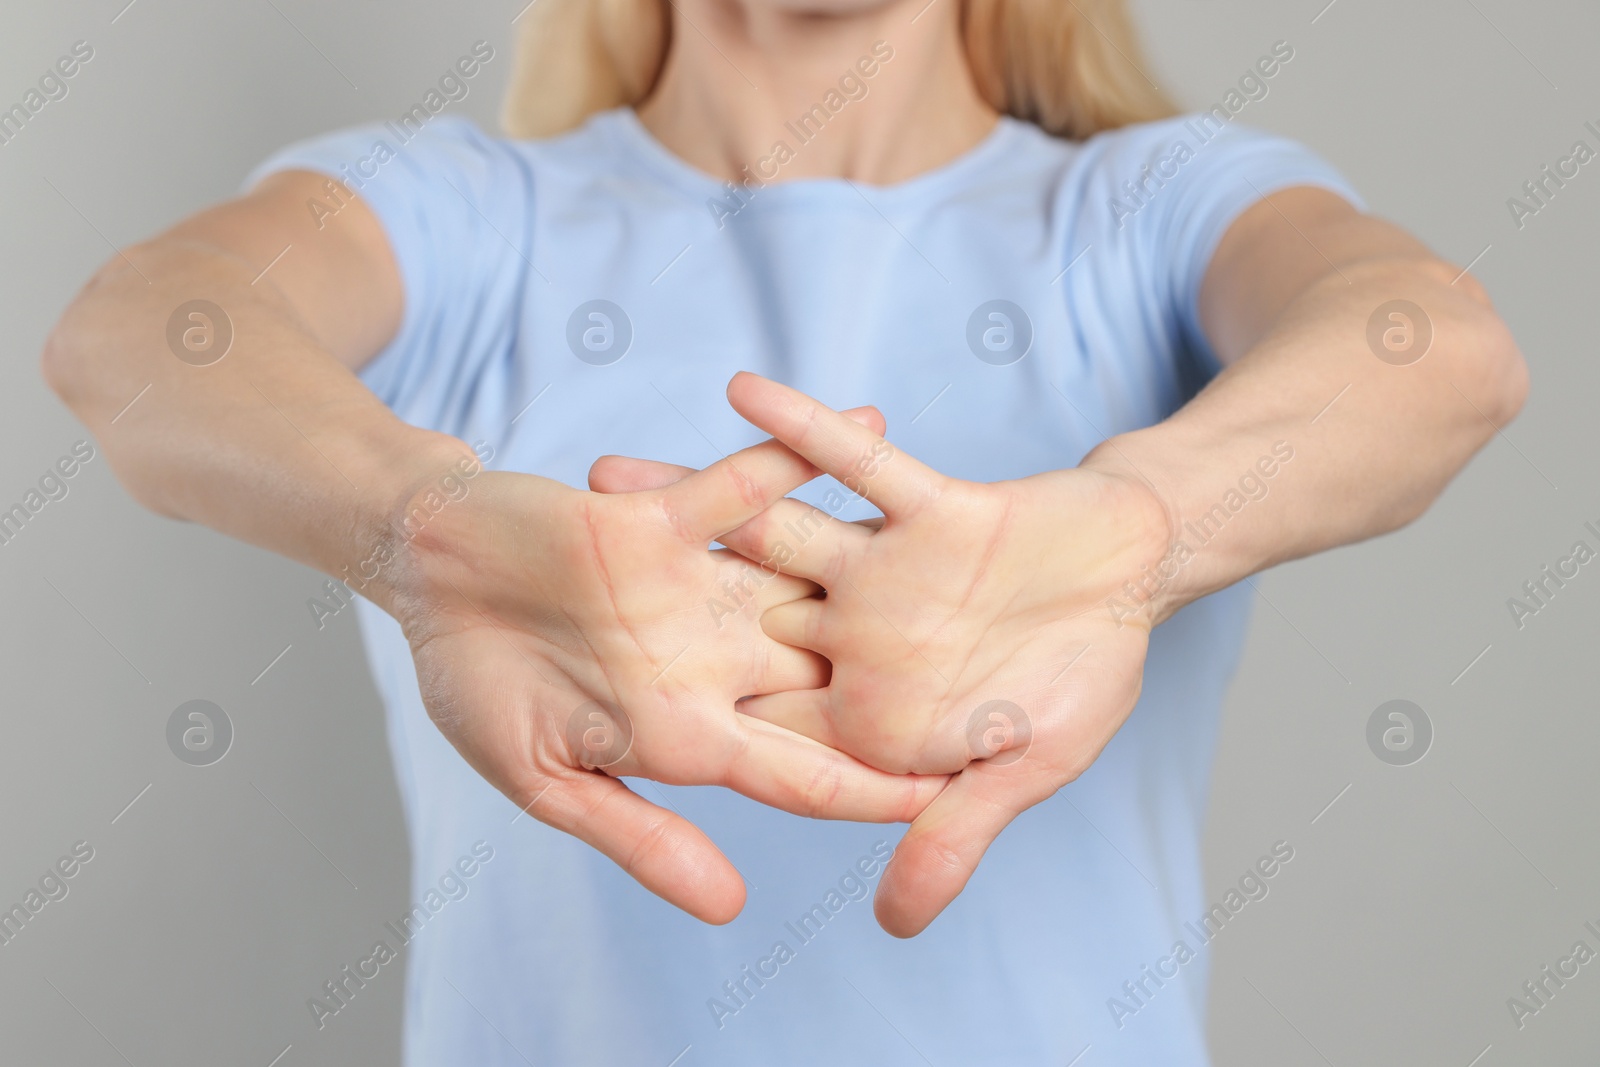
742, 79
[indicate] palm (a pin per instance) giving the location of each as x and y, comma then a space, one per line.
938, 614
972, 633
563, 637
969, 633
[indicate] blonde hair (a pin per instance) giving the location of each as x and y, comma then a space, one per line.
1072, 67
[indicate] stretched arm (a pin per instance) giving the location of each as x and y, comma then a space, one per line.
543, 620
276, 443
1310, 439
1019, 612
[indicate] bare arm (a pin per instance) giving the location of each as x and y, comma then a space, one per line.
1286, 303
542, 619
277, 443
1028, 604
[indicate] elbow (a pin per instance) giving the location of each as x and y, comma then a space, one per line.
1512, 393
78, 362
61, 365
1499, 376
1500, 371
66, 360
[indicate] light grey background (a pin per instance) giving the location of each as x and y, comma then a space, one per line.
1416, 904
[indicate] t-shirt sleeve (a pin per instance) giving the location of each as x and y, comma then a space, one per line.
1168, 192
455, 205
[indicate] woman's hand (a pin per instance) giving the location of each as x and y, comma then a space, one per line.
562, 637
971, 633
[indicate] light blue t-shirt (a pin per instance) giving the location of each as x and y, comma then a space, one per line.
1007, 312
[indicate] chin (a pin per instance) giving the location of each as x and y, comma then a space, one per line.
824, 7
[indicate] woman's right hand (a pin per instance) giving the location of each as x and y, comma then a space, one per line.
565, 637
530, 606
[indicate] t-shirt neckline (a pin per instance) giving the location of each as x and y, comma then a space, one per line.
623, 127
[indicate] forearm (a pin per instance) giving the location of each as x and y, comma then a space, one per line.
1310, 441
276, 443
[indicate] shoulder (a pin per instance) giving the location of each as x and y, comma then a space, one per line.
444, 148
1134, 162
1167, 147
1190, 165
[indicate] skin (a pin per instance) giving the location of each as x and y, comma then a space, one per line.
737, 70
531, 605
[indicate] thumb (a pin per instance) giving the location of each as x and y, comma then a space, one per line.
939, 853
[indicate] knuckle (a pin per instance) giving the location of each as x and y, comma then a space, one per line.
822, 791
939, 856
836, 565
746, 487
654, 844
759, 535
677, 522
806, 423
816, 628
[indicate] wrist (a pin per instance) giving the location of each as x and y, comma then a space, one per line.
1214, 489
1150, 517
411, 475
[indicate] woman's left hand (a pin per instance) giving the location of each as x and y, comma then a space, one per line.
983, 629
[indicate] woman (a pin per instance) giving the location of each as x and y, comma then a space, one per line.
977, 217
